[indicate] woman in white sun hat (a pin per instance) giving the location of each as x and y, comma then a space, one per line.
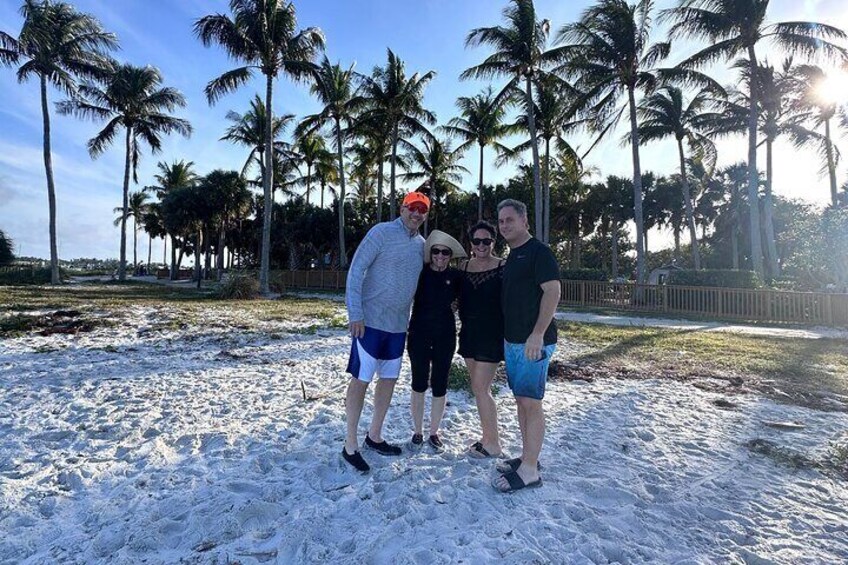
431, 340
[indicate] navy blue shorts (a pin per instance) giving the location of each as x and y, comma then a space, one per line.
376, 353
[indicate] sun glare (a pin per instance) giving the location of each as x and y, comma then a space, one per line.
834, 89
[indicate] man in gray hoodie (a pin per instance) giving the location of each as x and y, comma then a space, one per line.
381, 284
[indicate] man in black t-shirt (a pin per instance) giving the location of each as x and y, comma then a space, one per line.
531, 292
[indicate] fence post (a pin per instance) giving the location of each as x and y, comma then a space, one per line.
664, 298
582, 293
828, 309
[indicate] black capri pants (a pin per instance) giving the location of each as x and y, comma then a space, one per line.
430, 355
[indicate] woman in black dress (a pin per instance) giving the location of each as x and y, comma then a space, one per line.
431, 340
481, 336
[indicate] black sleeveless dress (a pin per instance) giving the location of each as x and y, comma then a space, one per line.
481, 336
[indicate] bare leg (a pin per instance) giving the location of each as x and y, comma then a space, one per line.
482, 375
437, 410
534, 434
354, 401
382, 398
417, 409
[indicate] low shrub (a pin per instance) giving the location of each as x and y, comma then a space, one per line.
583, 275
238, 286
724, 278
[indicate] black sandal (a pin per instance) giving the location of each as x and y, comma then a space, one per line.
515, 483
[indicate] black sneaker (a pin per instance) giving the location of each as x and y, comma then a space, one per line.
436, 443
356, 460
417, 440
383, 448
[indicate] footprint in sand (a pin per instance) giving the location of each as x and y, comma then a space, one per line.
257, 515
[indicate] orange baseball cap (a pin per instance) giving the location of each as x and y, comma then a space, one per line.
416, 197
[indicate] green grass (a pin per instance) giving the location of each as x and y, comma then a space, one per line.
797, 367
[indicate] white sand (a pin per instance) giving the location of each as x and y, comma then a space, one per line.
141, 443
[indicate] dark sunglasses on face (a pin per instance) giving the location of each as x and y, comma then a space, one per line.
417, 207
445, 252
482, 241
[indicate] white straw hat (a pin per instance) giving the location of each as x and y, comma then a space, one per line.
438, 237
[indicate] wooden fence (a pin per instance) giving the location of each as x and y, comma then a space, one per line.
711, 302
708, 302
318, 279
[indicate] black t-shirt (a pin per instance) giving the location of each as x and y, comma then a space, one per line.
431, 308
527, 267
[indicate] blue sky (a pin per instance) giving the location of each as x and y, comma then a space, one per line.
427, 34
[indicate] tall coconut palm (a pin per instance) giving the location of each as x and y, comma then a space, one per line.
326, 173
439, 165
665, 114
777, 118
310, 149
132, 98
58, 45
609, 54
248, 129
376, 136
336, 90
554, 112
137, 208
179, 174
262, 34
520, 54
481, 121
818, 108
398, 102
734, 28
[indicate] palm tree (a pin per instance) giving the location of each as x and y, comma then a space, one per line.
481, 121
248, 129
136, 209
777, 118
133, 98
817, 108
396, 101
310, 149
335, 89
6, 245
229, 200
609, 54
263, 34
326, 173
733, 28
375, 135
152, 223
520, 53
177, 175
439, 166
664, 114
554, 114
58, 45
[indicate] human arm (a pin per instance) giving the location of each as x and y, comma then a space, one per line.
547, 309
364, 257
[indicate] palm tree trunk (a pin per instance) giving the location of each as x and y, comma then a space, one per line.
690, 212
219, 263
173, 274
547, 197
51, 187
380, 187
308, 181
676, 234
537, 181
480, 188
323, 184
771, 243
637, 190
831, 165
392, 195
614, 246
753, 175
734, 243
165, 251
207, 251
339, 151
122, 266
149, 252
135, 243
267, 184
198, 240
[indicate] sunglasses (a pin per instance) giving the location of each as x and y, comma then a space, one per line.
417, 207
445, 252
482, 240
